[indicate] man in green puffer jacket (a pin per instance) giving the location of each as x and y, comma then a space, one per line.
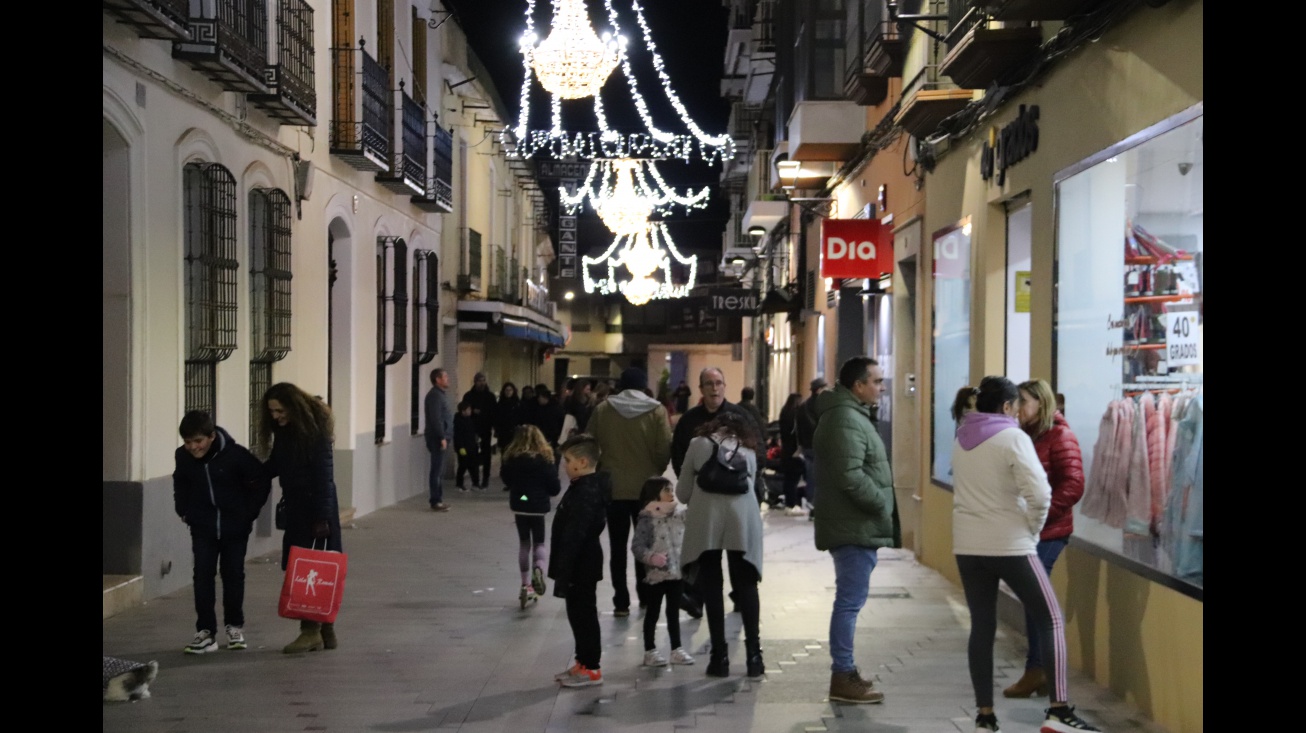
858, 513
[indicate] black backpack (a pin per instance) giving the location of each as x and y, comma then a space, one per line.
716, 478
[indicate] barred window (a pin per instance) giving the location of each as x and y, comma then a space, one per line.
209, 220
391, 316
269, 285
426, 325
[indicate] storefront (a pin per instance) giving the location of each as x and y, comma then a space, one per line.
1065, 242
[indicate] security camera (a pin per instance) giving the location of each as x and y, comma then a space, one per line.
1184, 168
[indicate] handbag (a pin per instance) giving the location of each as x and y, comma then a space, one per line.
314, 584
730, 477
279, 515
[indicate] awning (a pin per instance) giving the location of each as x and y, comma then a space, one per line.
510, 321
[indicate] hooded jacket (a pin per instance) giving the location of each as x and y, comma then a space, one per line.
660, 528
222, 492
634, 438
1059, 454
1000, 493
856, 501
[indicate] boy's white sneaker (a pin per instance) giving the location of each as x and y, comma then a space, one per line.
654, 658
680, 656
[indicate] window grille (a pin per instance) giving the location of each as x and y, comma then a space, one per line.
209, 220
426, 325
391, 315
269, 284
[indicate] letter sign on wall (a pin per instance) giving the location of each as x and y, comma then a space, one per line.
855, 248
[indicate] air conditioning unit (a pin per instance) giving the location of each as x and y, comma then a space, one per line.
469, 283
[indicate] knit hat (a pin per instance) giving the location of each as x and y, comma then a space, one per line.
819, 383
633, 378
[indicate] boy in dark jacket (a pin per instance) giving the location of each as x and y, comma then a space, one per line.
465, 444
576, 557
218, 490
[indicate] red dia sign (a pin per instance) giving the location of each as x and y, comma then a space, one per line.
855, 248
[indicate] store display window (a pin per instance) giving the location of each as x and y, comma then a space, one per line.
951, 365
1129, 344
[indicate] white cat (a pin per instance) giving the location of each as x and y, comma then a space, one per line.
125, 680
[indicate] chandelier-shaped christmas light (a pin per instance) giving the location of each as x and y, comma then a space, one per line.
642, 254
573, 62
570, 22
624, 196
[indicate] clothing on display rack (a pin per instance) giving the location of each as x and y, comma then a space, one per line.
1181, 524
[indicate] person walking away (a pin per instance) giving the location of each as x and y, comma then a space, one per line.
300, 429
576, 565
659, 537
634, 435
467, 445
439, 433
1059, 454
717, 523
791, 457
1000, 503
805, 430
531, 478
483, 409
858, 513
218, 490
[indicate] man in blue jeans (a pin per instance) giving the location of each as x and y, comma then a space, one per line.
858, 513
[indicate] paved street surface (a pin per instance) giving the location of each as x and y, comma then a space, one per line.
432, 638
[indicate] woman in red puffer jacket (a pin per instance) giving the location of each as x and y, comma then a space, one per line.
1058, 451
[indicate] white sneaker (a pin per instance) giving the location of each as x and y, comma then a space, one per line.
202, 643
235, 637
680, 656
795, 511
654, 658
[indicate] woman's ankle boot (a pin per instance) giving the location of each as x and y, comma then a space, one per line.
753, 655
309, 639
328, 636
1033, 682
718, 665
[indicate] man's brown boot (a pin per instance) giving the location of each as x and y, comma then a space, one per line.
850, 687
1033, 682
328, 636
309, 639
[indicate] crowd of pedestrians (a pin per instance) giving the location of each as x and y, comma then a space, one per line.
1017, 472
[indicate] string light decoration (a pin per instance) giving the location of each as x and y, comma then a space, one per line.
624, 197
573, 62
658, 144
642, 254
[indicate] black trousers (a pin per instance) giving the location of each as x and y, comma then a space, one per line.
653, 595
466, 464
483, 456
215, 554
743, 581
583, 615
622, 515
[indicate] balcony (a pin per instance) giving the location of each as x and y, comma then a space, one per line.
825, 130
407, 174
163, 19
1038, 9
927, 101
292, 97
438, 196
765, 213
229, 44
980, 53
360, 130
877, 57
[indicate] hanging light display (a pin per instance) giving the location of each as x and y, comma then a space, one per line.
642, 254
626, 192
573, 62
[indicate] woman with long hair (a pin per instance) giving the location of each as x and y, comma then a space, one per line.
531, 479
1058, 452
724, 523
507, 416
299, 428
1000, 501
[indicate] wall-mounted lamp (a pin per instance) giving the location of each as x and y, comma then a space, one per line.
757, 231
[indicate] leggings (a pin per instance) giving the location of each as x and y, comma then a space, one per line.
1024, 574
654, 593
530, 542
743, 581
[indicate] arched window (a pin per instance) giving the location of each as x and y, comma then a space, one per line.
209, 219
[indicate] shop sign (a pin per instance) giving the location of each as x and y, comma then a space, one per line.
1181, 347
567, 244
1010, 145
855, 248
732, 301
1022, 291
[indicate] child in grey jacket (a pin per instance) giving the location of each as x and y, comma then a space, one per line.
659, 535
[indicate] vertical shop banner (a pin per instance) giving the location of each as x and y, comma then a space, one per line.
567, 245
855, 248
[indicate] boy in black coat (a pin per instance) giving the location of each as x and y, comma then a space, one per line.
576, 557
465, 444
218, 490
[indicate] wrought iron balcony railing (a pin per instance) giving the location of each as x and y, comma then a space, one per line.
438, 196
292, 98
229, 44
407, 172
163, 19
360, 133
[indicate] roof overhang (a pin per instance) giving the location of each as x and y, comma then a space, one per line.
510, 321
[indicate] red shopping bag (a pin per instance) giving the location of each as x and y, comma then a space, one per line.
314, 584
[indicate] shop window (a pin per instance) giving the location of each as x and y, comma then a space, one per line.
1129, 346
209, 221
269, 286
426, 324
951, 363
